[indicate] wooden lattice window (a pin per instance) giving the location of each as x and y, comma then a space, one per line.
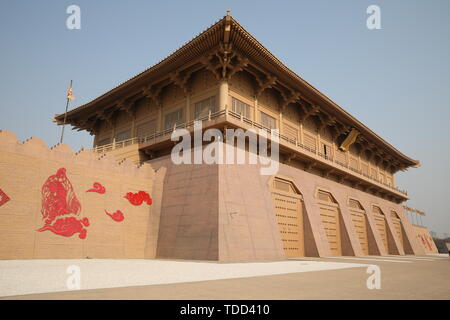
240, 107
123, 135
104, 142
353, 163
309, 141
203, 107
365, 168
173, 118
290, 131
268, 121
373, 173
145, 129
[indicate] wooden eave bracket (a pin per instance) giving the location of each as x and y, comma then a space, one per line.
153, 93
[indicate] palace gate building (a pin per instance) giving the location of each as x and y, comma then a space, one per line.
335, 191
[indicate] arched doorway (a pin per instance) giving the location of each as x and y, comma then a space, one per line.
380, 223
397, 223
358, 215
288, 204
329, 214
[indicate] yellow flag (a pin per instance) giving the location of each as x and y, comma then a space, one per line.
349, 140
70, 94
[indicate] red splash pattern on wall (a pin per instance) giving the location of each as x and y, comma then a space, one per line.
138, 198
68, 226
58, 199
426, 242
116, 216
3, 197
97, 187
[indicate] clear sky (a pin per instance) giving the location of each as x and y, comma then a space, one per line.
395, 80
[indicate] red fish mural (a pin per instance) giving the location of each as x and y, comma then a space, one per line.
116, 216
138, 198
3, 198
59, 199
97, 187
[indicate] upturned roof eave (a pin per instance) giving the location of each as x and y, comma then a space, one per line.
184, 49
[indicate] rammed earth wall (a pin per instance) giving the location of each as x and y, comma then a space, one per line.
40, 183
55, 203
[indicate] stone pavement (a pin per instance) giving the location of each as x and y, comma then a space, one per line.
405, 277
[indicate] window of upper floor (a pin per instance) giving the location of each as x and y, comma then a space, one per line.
327, 150
123, 135
240, 107
103, 142
203, 107
173, 119
145, 129
267, 121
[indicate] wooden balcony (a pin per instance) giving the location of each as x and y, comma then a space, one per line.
288, 146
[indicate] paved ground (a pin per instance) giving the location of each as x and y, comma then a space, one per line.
19, 277
408, 277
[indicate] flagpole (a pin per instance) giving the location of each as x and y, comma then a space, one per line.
65, 115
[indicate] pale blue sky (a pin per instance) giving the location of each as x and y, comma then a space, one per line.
395, 80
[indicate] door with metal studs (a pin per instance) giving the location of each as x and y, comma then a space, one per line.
288, 205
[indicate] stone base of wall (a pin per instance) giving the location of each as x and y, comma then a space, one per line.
225, 212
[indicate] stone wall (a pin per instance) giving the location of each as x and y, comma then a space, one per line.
188, 227
425, 239
225, 213
46, 210
204, 212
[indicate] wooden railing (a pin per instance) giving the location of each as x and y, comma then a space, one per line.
292, 142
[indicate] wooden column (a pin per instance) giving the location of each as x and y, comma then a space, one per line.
112, 123
160, 124
301, 133
255, 112
281, 121
223, 94
133, 127
188, 107
318, 142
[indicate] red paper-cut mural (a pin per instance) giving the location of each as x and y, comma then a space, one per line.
425, 242
138, 198
67, 227
97, 187
3, 197
428, 243
116, 216
59, 199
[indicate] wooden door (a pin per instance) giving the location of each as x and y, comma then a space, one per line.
289, 215
380, 222
330, 220
397, 228
359, 222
